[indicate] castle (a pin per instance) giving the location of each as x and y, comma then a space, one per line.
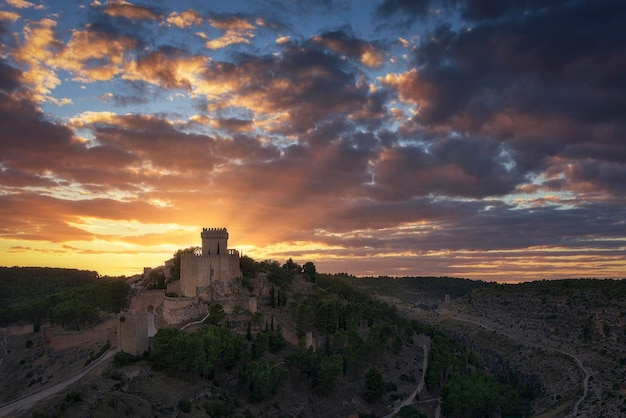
206, 277
210, 275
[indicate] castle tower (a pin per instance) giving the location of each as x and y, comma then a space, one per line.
214, 241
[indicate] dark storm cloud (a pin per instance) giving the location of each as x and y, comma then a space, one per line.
444, 168
405, 11
544, 79
306, 83
541, 62
347, 44
467, 225
9, 77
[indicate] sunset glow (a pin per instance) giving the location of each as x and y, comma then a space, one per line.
398, 138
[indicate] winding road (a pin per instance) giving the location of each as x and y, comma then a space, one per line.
29, 401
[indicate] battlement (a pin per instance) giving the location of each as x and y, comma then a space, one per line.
214, 233
210, 256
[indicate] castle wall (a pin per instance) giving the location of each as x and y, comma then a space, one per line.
179, 310
174, 287
133, 332
188, 274
214, 241
210, 275
61, 339
205, 267
147, 300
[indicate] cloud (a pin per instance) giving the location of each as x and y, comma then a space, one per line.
185, 19
236, 30
9, 16
406, 12
345, 44
168, 67
485, 133
92, 55
36, 53
20, 4
124, 9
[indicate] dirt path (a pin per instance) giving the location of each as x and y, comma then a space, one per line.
420, 385
29, 401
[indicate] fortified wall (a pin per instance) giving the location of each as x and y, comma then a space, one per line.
134, 329
182, 309
210, 275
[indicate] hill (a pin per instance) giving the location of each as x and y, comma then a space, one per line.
367, 358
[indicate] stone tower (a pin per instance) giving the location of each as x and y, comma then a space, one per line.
214, 241
210, 275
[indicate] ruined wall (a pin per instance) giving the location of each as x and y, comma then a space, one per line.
182, 309
147, 300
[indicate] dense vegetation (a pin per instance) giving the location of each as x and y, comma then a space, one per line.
17, 283
402, 287
467, 390
356, 336
71, 298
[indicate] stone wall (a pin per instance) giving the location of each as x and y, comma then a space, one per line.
174, 287
147, 301
60, 339
17, 329
182, 309
134, 331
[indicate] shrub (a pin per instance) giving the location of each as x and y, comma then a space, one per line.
184, 406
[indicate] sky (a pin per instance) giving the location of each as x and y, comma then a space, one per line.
480, 139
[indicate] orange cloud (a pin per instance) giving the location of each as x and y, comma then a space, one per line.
120, 8
237, 31
88, 47
38, 55
9, 16
184, 19
169, 69
20, 4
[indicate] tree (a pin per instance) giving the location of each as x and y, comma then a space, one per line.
326, 371
156, 279
216, 314
248, 266
271, 301
408, 411
292, 267
118, 295
175, 269
374, 385
309, 272
264, 377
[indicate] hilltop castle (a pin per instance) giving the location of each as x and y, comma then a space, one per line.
210, 275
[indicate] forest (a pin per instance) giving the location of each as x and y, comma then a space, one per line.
71, 298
